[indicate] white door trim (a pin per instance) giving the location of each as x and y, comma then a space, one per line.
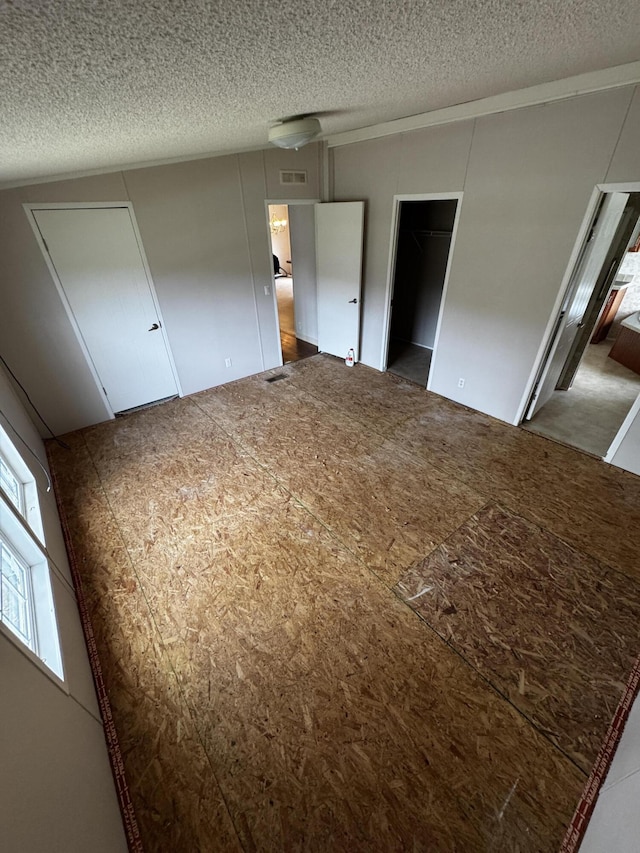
287, 201
596, 195
552, 323
29, 208
632, 414
391, 266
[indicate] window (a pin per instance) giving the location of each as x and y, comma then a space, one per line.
11, 485
27, 612
16, 595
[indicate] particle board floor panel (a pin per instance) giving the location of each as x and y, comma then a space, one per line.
237, 548
176, 798
551, 628
312, 684
579, 498
309, 684
379, 504
591, 505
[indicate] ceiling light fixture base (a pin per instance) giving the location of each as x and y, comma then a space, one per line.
294, 134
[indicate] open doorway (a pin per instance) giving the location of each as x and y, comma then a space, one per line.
422, 251
590, 377
292, 236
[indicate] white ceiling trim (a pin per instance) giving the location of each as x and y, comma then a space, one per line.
569, 87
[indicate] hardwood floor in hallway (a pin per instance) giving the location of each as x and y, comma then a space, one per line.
337, 612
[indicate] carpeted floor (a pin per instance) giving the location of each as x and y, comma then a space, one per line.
409, 361
591, 412
337, 612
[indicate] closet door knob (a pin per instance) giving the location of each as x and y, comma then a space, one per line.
154, 327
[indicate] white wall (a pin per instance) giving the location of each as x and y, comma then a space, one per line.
303, 248
57, 788
205, 235
627, 455
527, 177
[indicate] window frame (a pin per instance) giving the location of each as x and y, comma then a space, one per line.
21, 533
30, 639
20, 505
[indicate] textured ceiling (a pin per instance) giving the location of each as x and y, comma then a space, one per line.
101, 83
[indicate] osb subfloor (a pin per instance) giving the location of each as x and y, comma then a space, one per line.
337, 612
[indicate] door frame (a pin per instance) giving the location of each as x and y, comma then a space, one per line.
547, 339
551, 329
29, 208
391, 268
288, 202
597, 246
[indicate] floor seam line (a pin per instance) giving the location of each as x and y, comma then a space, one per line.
392, 588
491, 685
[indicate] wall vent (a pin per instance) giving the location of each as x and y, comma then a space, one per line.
288, 177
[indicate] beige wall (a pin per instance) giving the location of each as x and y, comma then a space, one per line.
205, 236
57, 787
527, 176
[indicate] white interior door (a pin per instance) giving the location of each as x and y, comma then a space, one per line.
96, 257
339, 229
578, 295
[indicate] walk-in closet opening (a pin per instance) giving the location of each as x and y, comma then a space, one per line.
423, 245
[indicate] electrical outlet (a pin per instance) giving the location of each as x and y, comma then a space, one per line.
227, 362
267, 290
461, 382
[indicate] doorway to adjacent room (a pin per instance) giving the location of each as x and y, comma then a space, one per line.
292, 235
590, 376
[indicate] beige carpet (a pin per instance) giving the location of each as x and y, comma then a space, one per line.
589, 415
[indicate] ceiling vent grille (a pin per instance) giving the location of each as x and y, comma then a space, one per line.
289, 177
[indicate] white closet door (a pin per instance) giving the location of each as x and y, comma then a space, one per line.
339, 229
98, 262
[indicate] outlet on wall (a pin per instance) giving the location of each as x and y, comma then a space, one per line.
227, 362
267, 290
461, 382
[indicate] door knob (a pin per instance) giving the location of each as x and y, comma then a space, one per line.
154, 327
353, 302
